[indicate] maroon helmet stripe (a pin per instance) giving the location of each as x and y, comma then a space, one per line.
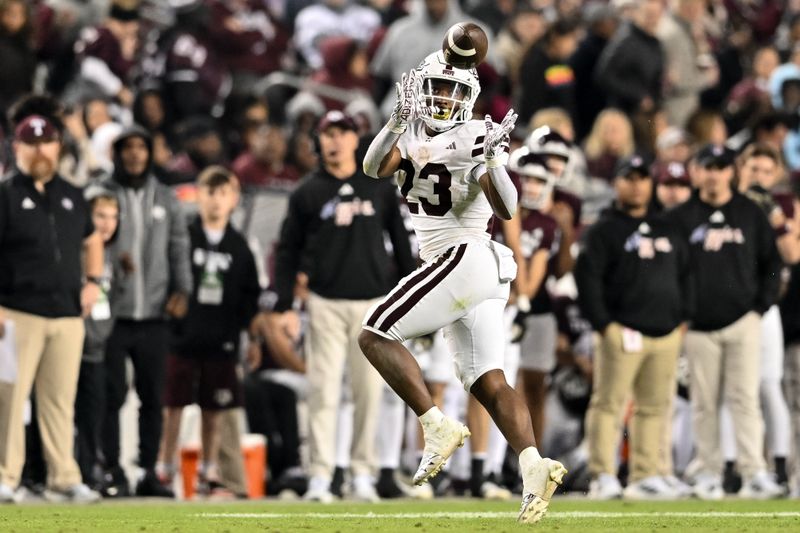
406, 287
420, 293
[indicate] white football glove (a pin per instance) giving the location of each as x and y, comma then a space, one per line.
406, 107
495, 142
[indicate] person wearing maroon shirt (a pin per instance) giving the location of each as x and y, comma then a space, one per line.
249, 39
263, 164
345, 66
108, 53
534, 236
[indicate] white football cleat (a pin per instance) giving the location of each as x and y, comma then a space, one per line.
540, 481
605, 487
682, 489
440, 443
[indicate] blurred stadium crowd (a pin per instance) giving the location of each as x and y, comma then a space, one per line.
647, 129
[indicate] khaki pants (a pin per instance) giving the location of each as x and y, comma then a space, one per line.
650, 375
49, 358
724, 365
791, 384
231, 463
332, 342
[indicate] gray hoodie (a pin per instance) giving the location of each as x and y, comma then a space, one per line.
151, 249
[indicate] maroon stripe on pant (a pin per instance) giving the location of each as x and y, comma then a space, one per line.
414, 299
406, 287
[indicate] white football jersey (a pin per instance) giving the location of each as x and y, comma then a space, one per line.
438, 177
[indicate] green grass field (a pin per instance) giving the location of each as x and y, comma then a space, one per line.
565, 515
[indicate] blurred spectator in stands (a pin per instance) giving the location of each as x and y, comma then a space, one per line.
572, 175
673, 144
610, 140
302, 153
203, 367
304, 111
345, 66
90, 398
151, 112
545, 77
16, 50
51, 259
409, 40
329, 18
673, 186
689, 66
750, 97
495, 14
251, 42
107, 53
151, 252
254, 115
631, 68
264, 163
707, 126
197, 79
202, 147
601, 23
524, 28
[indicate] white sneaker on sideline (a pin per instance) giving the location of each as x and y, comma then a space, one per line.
540, 480
364, 489
682, 489
762, 486
493, 491
650, 488
319, 490
708, 487
605, 487
7, 494
78, 493
440, 443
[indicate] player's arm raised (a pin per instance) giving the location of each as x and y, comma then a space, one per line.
496, 183
383, 157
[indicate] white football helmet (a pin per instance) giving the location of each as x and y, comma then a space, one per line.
447, 93
547, 141
536, 179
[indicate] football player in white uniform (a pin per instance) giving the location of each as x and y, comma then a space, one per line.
452, 174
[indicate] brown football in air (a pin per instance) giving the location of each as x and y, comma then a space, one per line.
465, 45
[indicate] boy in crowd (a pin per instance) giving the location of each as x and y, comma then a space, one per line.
203, 366
90, 397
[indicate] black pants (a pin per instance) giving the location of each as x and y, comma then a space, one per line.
146, 343
272, 411
90, 406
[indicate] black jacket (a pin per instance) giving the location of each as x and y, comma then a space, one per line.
589, 99
630, 68
544, 82
41, 242
735, 263
634, 271
224, 296
334, 232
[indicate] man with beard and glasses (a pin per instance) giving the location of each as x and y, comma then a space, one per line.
46, 235
152, 253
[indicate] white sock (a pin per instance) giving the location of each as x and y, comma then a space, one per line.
390, 430
529, 456
432, 417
